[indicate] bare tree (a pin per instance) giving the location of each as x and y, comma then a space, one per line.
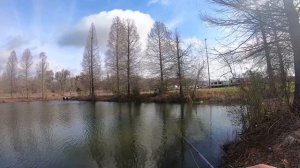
179, 64
26, 64
294, 31
258, 32
41, 72
132, 48
115, 54
159, 52
91, 60
11, 71
62, 77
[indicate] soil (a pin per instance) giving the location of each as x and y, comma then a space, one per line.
275, 142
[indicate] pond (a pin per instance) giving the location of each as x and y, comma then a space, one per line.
83, 134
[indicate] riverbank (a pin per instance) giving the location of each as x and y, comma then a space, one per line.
24, 99
216, 95
276, 142
212, 95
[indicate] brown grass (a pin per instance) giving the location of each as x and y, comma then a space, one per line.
212, 95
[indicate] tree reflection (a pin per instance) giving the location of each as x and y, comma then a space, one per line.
128, 153
167, 151
95, 136
15, 128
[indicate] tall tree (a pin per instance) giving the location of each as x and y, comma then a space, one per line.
254, 28
158, 52
115, 53
294, 31
11, 71
132, 48
179, 64
42, 69
91, 60
270, 72
26, 64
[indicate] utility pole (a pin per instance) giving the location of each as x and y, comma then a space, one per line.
207, 64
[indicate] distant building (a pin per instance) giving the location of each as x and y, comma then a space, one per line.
236, 81
221, 83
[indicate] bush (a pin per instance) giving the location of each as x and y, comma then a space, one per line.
253, 94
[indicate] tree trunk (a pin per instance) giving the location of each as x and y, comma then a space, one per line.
26, 83
128, 61
92, 69
268, 58
179, 67
294, 31
117, 64
161, 90
43, 82
11, 86
283, 75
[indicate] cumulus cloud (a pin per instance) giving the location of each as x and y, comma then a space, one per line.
76, 36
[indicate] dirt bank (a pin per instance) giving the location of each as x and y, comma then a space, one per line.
276, 142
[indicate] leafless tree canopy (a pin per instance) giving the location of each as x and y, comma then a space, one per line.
11, 72
159, 53
42, 71
91, 60
266, 32
115, 55
26, 65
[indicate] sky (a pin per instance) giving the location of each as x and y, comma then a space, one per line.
60, 27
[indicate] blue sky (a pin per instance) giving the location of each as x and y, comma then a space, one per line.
58, 27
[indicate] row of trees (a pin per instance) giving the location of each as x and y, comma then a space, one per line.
19, 76
267, 33
165, 58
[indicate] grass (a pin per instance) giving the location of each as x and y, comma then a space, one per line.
221, 95
223, 90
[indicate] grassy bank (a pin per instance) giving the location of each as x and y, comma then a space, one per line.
212, 95
30, 99
207, 95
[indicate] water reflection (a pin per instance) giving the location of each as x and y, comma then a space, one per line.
128, 152
82, 134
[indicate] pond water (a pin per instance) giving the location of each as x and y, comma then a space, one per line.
126, 135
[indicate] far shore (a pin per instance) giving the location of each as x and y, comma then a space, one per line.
213, 95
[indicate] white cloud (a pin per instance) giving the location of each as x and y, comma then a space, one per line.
173, 24
76, 35
194, 41
163, 2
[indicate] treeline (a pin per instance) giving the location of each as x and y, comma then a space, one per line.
167, 61
22, 78
268, 34
166, 58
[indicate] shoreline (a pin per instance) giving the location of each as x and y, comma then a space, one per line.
207, 95
144, 98
275, 142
